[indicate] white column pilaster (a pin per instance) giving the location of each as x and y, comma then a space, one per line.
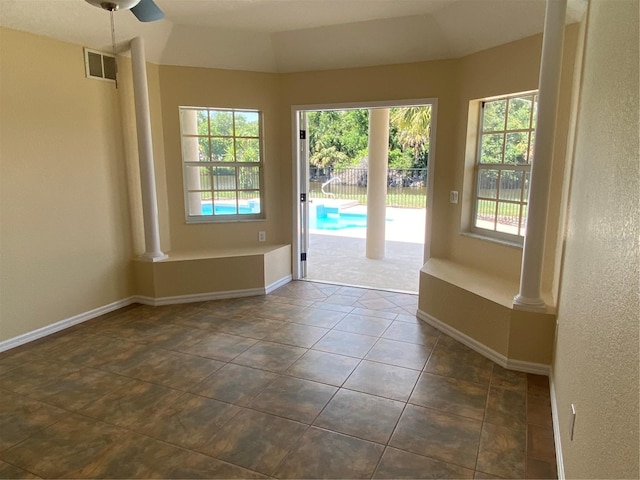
153, 251
377, 181
191, 153
529, 296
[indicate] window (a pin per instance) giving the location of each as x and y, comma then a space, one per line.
503, 166
222, 164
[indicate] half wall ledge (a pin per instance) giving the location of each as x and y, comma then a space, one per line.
477, 309
197, 276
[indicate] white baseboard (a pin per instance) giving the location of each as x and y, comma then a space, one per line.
198, 297
62, 324
205, 297
556, 427
96, 312
482, 349
277, 284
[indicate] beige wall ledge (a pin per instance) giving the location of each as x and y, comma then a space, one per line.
477, 309
210, 274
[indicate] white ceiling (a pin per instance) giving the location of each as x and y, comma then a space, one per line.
292, 35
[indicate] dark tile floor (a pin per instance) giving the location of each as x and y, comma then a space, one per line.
312, 381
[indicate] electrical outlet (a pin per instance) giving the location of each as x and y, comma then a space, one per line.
453, 196
262, 236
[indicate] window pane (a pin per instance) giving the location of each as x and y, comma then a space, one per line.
198, 178
204, 150
486, 214
222, 150
221, 123
192, 151
510, 185
248, 150
508, 218
516, 149
224, 178
249, 202
248, 178
523, 220
194, 122
487, 183
491, 149
533, 138
493, 115
519, 115
527, 180
199, 203
247, 124
225, 203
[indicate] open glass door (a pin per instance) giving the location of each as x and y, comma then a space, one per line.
334, 227
303, 145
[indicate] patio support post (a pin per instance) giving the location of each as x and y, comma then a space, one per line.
153, 252
191, 154
377, 181
529, 296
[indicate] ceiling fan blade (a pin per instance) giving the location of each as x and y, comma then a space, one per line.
147, 11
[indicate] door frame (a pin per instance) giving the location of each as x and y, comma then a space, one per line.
299, 169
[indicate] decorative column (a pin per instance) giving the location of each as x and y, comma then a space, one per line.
191, 152
530, 297
377, 181
152, 252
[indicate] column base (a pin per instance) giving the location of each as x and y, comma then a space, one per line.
153, 257
526, 303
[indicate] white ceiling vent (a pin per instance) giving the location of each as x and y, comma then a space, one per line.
100, 65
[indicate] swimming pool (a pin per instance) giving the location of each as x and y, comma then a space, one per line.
338, 221
331, 218
229, 209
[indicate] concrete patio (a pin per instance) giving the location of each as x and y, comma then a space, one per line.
339, 256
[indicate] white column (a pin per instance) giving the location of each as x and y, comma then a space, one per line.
377, 181
530, 296
191, 154
145, 153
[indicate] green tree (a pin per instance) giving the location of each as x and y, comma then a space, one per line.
413, 127
337, 138
503, 122
217, 129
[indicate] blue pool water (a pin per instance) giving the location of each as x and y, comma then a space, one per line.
338, 221
331, 218
222, 209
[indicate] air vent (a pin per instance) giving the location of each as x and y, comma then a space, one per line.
100, 65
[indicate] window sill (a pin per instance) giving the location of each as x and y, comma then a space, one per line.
486, 238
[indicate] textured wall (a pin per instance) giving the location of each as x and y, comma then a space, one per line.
596, 363
66, 241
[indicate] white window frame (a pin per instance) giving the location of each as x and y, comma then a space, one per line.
522, 202
236, 190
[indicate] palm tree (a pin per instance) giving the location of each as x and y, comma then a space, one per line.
414, 127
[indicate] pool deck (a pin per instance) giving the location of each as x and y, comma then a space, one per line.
338, 256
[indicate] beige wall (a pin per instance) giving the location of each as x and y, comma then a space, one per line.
64, 217
203, 87
395, 82
596, 358
502, 70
